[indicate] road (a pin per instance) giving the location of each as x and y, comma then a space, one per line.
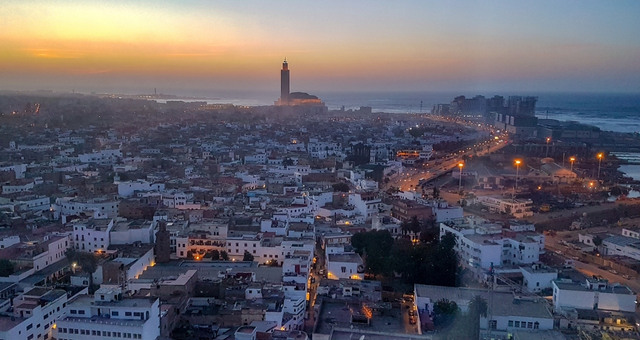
410, 178
552, 244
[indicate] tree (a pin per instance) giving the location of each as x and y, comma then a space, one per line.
477, 307
405, 227
414, 225
247, 256
340, 187
6, 267
224, 256
436, 192
87, 261
375, 247
597, 241
445, 312
215, 255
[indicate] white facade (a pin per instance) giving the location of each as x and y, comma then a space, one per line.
108, 316
105, 208
108, 156
11, 189
517, 208
345, 266
56, 248
129, 232
622, 246
128, 189
93, 235
592, 295
32, 319
9, 241
536, 278
482, 247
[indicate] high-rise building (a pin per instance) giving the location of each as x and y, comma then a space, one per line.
284, 83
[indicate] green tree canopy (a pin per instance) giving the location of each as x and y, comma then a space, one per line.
6, 267
247, 256
340, 187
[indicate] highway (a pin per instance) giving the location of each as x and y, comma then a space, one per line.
410, 177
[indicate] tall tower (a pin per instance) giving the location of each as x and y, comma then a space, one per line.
162, 246
284, 83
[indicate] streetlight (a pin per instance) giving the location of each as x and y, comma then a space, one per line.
517, 174
460, 166
572, 159
548, 140
600, 155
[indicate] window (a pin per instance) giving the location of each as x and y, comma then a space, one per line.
127, 313
493, 324
81, 312
343, 269
510, 323
529, 324
114, 313
73, 311
518, 324
536, 325
29, 326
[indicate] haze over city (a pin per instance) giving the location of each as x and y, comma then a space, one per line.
126, 46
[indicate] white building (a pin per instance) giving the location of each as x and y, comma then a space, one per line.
129, 232
8, 241
592, 295
506, 313
517, 208
102, 207
92, 235
537, 277
34, 315
109, 156
482, 245
621, 245
345, 266
107, 315
23, 187
128, 189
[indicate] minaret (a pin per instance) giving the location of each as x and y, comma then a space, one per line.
284, 83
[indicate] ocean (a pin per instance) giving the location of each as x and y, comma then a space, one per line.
612, 112
618, 112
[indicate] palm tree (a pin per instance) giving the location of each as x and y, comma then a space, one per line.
477, 307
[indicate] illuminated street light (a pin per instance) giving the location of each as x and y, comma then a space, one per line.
572, 159
518, 162
548, 140
460, 166
600, 156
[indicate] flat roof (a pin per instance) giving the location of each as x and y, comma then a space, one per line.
353, 257
499, 303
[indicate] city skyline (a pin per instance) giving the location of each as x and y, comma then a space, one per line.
357, 46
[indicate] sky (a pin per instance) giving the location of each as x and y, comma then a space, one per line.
205, 47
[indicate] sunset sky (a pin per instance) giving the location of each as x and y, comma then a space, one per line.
134, 46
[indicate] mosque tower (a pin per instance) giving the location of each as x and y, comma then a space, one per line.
284, 83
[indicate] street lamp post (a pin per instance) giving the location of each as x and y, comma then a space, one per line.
547, 153
460, 166
572, 159
600, 155
517, 175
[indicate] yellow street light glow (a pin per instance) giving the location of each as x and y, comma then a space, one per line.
600, 155
518, 162
461, 164
572, 159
